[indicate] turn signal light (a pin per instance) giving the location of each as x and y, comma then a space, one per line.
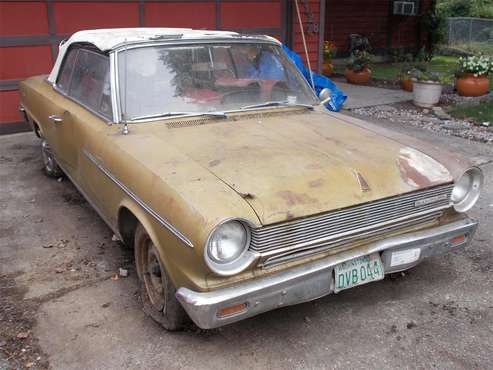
231, 310
458, 240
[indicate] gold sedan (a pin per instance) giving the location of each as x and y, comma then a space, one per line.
209, 153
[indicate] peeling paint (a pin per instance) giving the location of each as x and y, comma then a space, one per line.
316, 183
214, 163
419, 170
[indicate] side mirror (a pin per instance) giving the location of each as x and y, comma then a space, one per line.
325, 96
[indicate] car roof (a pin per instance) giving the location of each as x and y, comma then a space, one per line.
112, 38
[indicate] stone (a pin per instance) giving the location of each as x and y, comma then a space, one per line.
455, 126
440, 113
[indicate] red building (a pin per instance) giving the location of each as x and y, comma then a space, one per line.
30, 30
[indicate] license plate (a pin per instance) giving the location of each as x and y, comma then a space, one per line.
358, 271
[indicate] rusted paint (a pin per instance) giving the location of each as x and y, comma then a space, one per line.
292, 198
316, 183
214, 163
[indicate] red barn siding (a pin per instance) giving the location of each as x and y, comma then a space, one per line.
312, 39
177, 14
374, 20
23, 18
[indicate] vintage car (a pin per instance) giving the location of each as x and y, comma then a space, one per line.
210, 154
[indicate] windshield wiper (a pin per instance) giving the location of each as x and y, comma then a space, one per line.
180, 114
277, 104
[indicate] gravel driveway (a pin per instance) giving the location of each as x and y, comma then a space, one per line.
62, 306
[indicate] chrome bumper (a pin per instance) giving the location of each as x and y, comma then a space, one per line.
314, 280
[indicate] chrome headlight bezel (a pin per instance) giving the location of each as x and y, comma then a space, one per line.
467, 189
240, 262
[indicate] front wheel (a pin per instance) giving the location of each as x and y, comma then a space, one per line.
51, 167
156, 289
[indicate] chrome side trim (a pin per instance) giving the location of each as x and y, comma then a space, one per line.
114, 88
139, 201
313, 280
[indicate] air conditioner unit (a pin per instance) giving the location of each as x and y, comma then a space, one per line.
405, 8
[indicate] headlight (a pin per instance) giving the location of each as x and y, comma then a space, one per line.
226, 251
466, 189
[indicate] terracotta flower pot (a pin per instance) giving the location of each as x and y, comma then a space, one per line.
327, 69
358, 78
468, 85
407, 85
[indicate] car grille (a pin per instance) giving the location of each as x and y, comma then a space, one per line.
298, 238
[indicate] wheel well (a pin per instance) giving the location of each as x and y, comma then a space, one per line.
127, 223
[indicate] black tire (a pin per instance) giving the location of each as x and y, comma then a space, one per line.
51, 168
156, 289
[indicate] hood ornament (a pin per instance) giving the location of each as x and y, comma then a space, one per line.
363, 184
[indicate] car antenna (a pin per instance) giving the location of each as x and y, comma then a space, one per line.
124, 108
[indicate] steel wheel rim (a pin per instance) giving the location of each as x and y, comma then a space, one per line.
48, 160
154, 277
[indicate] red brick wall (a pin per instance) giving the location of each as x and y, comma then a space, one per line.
372, 19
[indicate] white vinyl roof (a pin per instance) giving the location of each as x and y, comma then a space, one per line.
109, 39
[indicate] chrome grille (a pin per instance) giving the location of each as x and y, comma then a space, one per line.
332, 229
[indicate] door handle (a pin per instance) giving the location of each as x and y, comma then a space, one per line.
55, 119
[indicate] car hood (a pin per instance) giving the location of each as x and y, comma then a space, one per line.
293, 165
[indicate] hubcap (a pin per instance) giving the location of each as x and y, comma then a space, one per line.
154, 277
48, 160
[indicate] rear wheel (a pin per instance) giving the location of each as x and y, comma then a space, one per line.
51, 167
156, 289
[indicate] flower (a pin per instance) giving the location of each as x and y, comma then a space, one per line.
478, 65
329, 51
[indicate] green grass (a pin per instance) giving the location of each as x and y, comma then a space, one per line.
479, 113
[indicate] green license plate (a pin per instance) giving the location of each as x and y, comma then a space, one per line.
358, 271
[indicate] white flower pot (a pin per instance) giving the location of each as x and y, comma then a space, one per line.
426, 94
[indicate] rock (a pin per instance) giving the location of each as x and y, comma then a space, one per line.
440, 113
307, 320
386, 108
114, 238
411, 325
60, 179
426, 111
47, 246
123, 272
106, 305
22, 335
485, 124
59, 270
455, 126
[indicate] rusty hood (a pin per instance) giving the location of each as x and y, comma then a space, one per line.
293, 165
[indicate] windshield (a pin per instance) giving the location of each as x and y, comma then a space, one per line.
169, 80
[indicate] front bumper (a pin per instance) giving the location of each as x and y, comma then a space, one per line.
314, 280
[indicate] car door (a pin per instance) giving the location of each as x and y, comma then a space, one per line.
89, 111
60, 120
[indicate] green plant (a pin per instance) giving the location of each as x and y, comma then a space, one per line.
427, 75
359, 60
329, 51
406, 71
478, 65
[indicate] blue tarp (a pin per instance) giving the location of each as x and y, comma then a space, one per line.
321, 82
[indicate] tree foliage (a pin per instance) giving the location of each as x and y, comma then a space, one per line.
465, 8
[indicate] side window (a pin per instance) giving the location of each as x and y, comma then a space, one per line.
90, 83
65, 75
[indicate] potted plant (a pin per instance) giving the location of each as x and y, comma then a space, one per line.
329, 53
472, 75
357, 71
405, 77
427, 87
